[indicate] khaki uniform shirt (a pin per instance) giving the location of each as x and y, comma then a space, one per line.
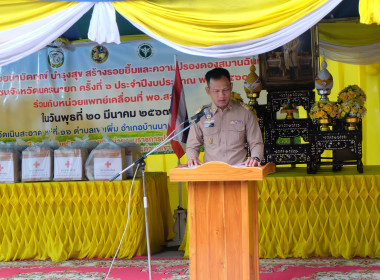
225, 141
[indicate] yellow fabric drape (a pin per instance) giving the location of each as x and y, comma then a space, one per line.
304, 216
327, 214
207, 23
19, 12
369, 11
83, 219
349, 33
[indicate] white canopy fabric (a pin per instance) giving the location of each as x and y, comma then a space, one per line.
361, 55
23, 40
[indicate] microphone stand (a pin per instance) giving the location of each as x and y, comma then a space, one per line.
141, 162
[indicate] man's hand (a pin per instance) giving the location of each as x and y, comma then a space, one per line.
194, 161
250, 162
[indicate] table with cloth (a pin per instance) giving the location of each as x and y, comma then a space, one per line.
325, 214
82, 219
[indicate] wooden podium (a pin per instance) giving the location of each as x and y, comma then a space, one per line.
223, 219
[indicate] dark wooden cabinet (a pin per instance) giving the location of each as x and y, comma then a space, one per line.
306, 143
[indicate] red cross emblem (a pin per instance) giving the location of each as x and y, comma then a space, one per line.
67, 164
108, 164
36, 164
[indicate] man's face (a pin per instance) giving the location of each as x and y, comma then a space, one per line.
220, 91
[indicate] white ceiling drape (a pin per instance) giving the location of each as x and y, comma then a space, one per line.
23, 40
360, 55
103, 27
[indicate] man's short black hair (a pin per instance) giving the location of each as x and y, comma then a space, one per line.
216, 74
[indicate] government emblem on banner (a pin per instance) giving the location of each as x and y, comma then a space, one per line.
56, 55
99, 54
56, 58
145, 51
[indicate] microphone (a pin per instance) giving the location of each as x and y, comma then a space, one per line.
199, 115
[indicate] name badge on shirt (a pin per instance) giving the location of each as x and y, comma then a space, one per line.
209, 123
209, 115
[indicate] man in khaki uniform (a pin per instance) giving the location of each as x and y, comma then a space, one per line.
226, 130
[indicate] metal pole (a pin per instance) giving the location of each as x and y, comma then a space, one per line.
146, 219
179, 191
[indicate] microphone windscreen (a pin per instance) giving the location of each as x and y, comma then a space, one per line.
206, 111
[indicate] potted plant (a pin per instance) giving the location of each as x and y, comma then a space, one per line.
322, 112
351, 105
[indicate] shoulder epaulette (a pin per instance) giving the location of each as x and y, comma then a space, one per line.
202, 107
245, 106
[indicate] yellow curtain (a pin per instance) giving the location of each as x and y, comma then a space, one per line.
19, 12
349, 33
213, 22
369, 11
82, 219
304, 215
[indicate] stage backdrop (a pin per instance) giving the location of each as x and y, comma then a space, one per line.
84, 88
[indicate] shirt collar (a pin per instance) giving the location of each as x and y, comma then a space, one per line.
214, 108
